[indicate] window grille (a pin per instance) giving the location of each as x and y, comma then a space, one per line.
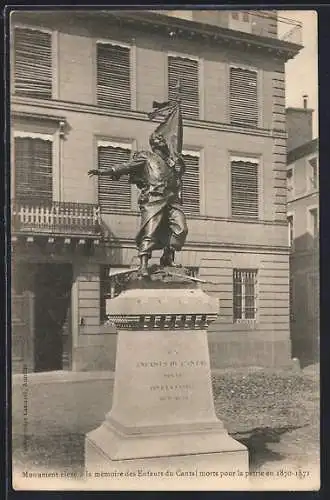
244, 296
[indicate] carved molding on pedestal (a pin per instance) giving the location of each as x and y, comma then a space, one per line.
162, 321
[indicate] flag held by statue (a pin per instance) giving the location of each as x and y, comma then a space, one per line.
171, 127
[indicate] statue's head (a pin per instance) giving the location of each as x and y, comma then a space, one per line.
158, 143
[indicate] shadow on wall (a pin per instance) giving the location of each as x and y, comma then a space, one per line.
113, 250
304, 300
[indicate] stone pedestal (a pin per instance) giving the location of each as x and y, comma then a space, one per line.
162, 419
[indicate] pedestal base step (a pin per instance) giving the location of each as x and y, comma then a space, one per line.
223, 465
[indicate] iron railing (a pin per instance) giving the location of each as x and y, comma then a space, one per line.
56, 218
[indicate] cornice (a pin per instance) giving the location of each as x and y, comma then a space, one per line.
311, 194
193, 30
303, 150
16, 113
21, 106
175, 28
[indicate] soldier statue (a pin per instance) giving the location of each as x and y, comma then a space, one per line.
158, 175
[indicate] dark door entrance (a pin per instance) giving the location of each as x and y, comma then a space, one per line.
52, 342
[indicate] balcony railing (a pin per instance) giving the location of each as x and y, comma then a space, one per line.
293, 34
56, 218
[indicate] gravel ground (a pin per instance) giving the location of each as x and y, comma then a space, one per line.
274, 413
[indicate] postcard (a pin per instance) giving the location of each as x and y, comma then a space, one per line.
165, 241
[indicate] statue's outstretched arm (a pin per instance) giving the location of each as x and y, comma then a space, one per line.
117, 170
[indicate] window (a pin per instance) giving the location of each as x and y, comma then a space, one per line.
113, 81
312, 174
32, 63
33, 168
186, 71
290, 230
240, 16
244, 300
313, 222
113, 195
289, 181
243, 97
244, 188
240, 21
190, 184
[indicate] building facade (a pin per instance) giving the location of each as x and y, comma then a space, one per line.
82, 84
303, 223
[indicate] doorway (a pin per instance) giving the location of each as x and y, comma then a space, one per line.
52, 340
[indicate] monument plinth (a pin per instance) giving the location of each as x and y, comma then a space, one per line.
162, 416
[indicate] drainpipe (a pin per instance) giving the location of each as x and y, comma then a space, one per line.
60, 170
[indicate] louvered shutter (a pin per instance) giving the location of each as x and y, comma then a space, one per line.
185, 70
33, 170
113, 195
243, 97
32, 63
244, 189
113, 76
190, 185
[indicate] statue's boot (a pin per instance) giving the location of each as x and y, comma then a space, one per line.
167, 259
143, 270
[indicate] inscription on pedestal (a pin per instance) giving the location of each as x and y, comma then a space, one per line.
172, 388
159, 375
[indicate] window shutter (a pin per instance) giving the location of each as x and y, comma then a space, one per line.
190, 185
243, 97
33, 170
185, 70
244, 189
113, 195
113, 76
33, 63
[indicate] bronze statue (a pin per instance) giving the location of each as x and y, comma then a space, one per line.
158, 175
